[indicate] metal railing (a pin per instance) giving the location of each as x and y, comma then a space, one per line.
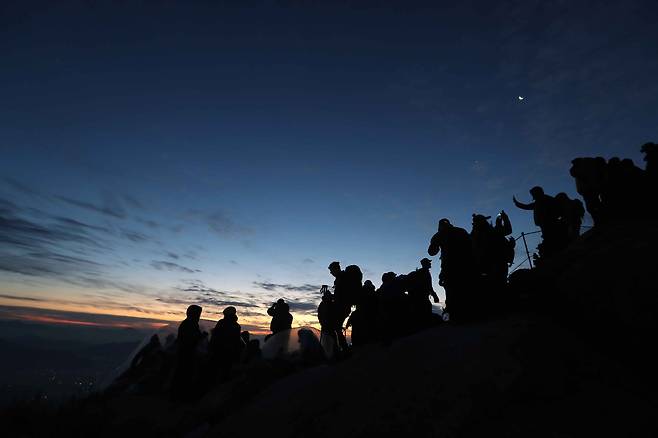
528, 259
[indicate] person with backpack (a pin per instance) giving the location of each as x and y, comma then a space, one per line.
456, 275
546, 216
419, 288
342, 301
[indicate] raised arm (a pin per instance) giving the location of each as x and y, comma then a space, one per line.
523, 206
503, 224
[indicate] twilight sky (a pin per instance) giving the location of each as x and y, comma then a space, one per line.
155, 156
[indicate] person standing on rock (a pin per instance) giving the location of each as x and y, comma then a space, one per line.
420, 289
454, 243
342, 305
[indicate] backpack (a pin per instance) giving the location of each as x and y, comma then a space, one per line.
353, 282
510, 244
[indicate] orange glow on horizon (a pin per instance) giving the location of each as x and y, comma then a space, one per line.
55, 320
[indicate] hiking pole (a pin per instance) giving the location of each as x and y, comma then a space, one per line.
526, 249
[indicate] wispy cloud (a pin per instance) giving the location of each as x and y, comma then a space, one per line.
163, 265
111, 207
307, 287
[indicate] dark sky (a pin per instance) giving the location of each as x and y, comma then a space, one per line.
156, 154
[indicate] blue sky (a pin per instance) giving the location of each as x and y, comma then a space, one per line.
159, 155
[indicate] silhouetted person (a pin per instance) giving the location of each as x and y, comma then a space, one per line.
281, 317
419, 287
226, 342
189, 336
342, 301
146, 372
545, 215
491, 255
456, 265
503, 227
571, 213
590, 175
327, 315
144, 357
252, 351
394, 306
369, 306
356, 321
650, 151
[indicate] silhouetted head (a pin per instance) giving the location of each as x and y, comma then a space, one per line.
480, 219
536, 192
230, 313
368, 286
426, 263
280, 301
388, 277
627, 164
562, 197
334, 268
194, 312
326, 296
283, 307
649, 150
444, 224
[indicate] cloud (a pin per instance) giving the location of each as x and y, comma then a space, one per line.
287, 287
308, 260
162, 265
148, 222
197, 292
58, 248
220, 223
19, 186
26, 233
303, 306
110, 208
18, 297
134, 236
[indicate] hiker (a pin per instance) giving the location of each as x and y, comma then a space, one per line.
650, 151
590, 176
545, 215
226, 343
146, 356
454, 243
369, 305
184, 385
394, 306
281, 317
327, 317
420, 289
571, 212
342, 302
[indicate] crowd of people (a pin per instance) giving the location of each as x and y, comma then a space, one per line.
474, 272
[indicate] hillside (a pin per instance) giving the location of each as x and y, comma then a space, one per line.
567, 357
